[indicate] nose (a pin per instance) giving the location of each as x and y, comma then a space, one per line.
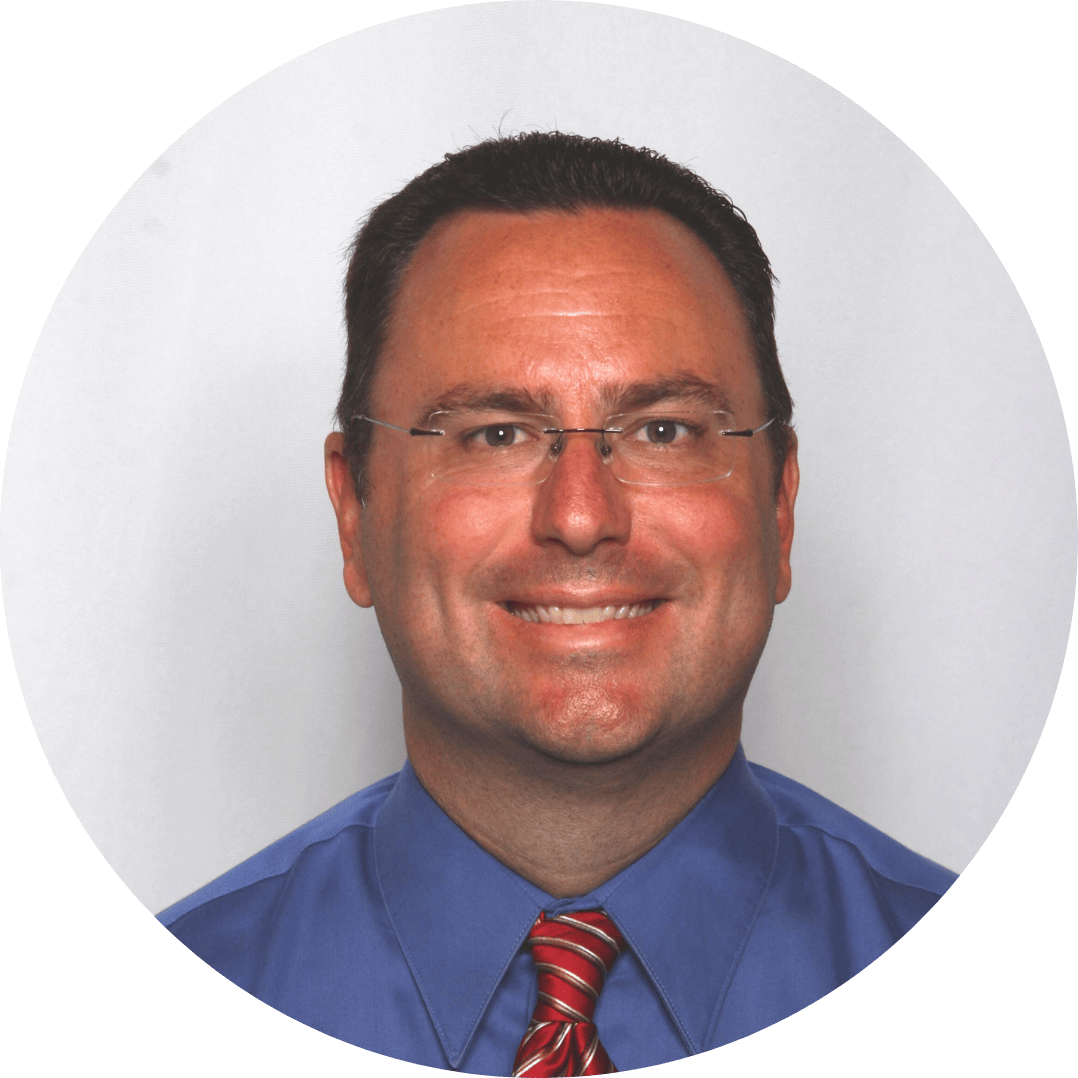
581, 504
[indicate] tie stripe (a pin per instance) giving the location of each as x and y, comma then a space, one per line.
547, 1050
572, 954
559, 1005
595, 930
570, 976
580, 949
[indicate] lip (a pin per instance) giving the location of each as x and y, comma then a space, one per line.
578, 613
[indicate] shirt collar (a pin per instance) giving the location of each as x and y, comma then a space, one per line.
460, 915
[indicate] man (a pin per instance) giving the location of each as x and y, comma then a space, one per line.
565, 479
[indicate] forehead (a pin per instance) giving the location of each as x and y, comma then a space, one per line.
568, 306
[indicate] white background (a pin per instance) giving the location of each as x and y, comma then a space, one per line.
200, 681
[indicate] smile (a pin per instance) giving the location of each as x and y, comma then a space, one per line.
575, 615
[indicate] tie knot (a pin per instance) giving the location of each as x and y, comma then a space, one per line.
573, 953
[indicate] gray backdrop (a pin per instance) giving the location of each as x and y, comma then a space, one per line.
198, 677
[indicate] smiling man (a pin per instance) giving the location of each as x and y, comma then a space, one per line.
565, 479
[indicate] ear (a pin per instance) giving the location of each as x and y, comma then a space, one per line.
784, 517
342, 493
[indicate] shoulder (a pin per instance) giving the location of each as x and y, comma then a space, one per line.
351, 818
841, 892
824, 825
256, 923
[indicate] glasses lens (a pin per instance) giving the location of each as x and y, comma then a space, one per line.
490, 449
672, 448
675, 447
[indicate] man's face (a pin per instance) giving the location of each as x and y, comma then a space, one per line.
578, 311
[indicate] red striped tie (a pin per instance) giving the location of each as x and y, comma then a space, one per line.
573, 953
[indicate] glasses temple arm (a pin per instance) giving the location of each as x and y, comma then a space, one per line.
748, 432
393, 426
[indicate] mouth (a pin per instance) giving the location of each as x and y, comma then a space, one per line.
579, 615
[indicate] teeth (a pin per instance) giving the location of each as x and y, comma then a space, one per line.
574, 615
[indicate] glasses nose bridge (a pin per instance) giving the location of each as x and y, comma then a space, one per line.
559, 440
558, 435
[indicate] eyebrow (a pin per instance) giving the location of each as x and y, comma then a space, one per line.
681, 387
615, 399
494, 398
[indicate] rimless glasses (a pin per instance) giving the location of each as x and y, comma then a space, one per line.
679, 447
675, 447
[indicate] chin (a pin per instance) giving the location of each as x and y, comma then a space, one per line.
588, 753
591, 729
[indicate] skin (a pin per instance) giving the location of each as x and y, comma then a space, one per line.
566, 751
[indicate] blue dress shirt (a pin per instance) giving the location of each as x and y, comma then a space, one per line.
381, 923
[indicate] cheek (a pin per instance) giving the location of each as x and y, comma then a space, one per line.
708, 523
722, 537
444, 536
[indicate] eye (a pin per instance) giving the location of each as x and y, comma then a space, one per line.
662, 431
497, 435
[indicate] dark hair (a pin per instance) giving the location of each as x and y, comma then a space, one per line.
547, 170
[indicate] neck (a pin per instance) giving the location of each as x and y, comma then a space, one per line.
566, 826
